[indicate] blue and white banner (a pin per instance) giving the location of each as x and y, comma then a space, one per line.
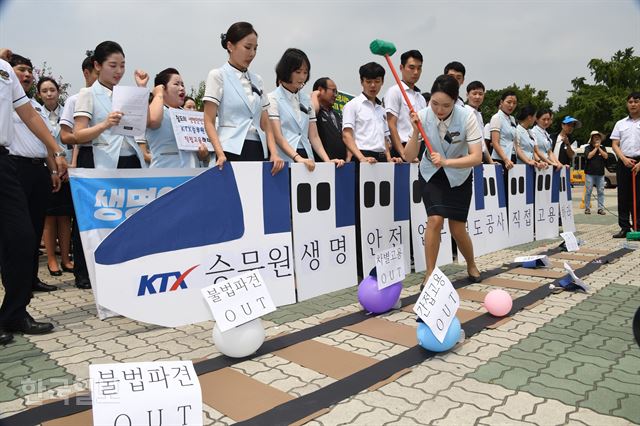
487, 220
103, 199
547, 211
384, 211
419, 221
565, 202
521, 198
324, 231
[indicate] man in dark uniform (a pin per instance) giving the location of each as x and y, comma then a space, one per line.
17, 237
329, 121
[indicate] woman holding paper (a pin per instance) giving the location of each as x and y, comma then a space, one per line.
235, 95
291, 114
94, 118
445, 174
168, 93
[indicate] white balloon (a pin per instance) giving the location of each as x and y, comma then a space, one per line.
240, 341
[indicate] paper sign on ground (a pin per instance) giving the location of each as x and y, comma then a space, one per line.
390, 267
188, 128
133, 102
437, 304
570, 241
238, 300
540, 258
577, 281
164, 392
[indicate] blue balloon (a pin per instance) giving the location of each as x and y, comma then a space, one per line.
427, 340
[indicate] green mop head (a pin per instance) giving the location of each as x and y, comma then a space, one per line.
633, 236
381, 47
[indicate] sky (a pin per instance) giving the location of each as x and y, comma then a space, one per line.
538, 42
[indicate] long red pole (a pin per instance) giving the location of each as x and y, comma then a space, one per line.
406, 99
635, 206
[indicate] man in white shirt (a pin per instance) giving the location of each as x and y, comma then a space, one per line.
475, 98
364, 124
398, 119
625, 140
17, 237
457, 71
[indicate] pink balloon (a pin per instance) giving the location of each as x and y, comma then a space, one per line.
498, 303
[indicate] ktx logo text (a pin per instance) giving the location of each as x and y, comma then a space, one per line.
146, 282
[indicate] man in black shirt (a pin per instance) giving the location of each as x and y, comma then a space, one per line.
596, 157
329, 122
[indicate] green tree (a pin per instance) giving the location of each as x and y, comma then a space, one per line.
601, 104
198, 94
526, 95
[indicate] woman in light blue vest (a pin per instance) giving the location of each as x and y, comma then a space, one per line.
235, 96
545, 143
168, 93
527, 146
292, 117
503, 130
94, 117
445, 174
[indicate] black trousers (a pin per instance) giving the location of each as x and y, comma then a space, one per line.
625, 194
85, 161
18, 243
35, 180
251, 151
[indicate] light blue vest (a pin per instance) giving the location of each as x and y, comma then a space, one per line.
526, 143
456, 149
236, 114
164, 148
107, 146
543, 139
507, 135
294, 131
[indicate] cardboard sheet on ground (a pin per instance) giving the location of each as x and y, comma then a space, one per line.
328, 360
324, 231
384, 210
508, 283
238, 396
418, 227
543, 273
388, 331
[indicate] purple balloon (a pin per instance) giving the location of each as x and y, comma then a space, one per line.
378, 301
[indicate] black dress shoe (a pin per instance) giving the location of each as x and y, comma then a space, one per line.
83, 283
621, 234
475, 278
54, 273
5, 337
40, 286
28, 325
67, 269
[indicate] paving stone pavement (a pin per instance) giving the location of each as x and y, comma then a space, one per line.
568, 360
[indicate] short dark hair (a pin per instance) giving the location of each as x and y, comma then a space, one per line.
236, 32
525, 112
426, 96
105, 49
415, 54
456, 66
189, 98
508, 93
291, 60
371, 70
164, 76
633, 95
87, 62
20, 60
543, 111
446, 84
321, 82
475, 85
44, 80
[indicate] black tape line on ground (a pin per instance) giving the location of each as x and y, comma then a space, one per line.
313, 402
73, 405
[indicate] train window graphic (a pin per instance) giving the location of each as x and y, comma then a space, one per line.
323, 197
370, 193
517, 185
544, 182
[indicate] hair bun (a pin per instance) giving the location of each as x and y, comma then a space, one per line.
89, 53
223, 40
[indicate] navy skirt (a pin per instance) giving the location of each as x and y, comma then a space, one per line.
440, 199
